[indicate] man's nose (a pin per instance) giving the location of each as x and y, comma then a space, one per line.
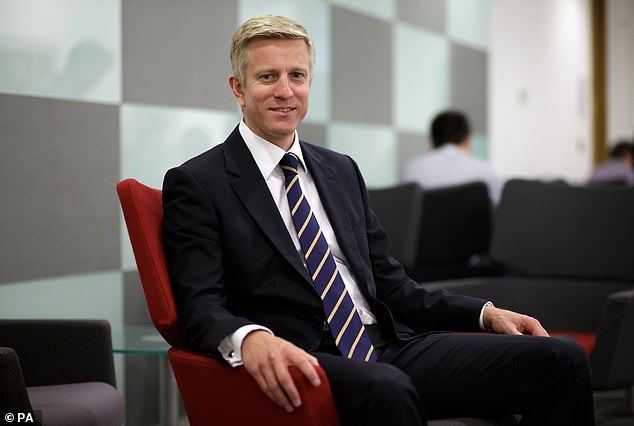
283, 88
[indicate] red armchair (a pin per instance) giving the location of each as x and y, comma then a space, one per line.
212, 392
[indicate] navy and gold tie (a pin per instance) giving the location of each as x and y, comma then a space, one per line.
344, 321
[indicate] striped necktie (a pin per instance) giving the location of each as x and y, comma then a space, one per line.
344, 321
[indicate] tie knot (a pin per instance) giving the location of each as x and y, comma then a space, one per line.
289, 162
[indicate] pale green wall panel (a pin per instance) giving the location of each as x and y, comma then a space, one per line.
480, 146
68, 49
421, 77
87, 296
155, 139
468, 22
374, 148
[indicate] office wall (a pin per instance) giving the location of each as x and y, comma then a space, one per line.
620, 69
94, 91
540, 89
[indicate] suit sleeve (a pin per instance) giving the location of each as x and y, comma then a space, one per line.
193, 250
409, 301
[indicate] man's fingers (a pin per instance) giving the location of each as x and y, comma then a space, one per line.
266, 379
281, 361
509, 322
285, 382
267, 358
274, 389
535, 328
307, 368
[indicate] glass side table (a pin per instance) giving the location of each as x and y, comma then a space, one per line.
146, 340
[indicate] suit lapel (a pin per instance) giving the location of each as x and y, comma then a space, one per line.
250, 187
334, 201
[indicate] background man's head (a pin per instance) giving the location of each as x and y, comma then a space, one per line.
450, 127
623, 150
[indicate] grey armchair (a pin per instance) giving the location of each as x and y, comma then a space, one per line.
62, 371
399, 208
437, 233
455, 229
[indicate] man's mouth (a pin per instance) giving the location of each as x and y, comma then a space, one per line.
282, 109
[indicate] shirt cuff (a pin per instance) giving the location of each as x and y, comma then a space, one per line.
231, 346
481, 320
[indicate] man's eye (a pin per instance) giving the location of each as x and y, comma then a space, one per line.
266, 77
297, 75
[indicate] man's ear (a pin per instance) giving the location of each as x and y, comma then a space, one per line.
236, 88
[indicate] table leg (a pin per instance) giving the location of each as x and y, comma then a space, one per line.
168, 392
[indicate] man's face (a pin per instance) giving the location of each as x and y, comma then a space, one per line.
274, 93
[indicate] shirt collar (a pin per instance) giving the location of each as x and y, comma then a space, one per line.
267, 155
449, 147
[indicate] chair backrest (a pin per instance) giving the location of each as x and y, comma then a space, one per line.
13, 393
555, 230
143, 212
76, 350
455, 224
398, 209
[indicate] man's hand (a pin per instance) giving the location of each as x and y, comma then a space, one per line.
267, 358
502, 321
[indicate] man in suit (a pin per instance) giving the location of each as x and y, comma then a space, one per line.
249, 292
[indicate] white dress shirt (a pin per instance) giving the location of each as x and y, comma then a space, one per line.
449, 165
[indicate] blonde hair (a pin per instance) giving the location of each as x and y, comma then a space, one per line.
263, 27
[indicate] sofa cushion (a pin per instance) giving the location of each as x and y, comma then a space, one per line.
77, 404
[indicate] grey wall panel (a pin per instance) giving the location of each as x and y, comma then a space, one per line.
425, 13
135, 310
176, 53
59, 163
313, 133
361, 68
469, 84
411, 145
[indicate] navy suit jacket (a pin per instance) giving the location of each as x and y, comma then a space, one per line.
233, 263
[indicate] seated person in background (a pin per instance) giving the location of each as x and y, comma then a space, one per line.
450, 163
277, 260
618, 169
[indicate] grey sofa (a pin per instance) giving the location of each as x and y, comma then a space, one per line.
568, 257
60, 371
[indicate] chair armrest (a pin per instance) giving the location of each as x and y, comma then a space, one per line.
54, 352
13, 394
613, 354
208, 386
